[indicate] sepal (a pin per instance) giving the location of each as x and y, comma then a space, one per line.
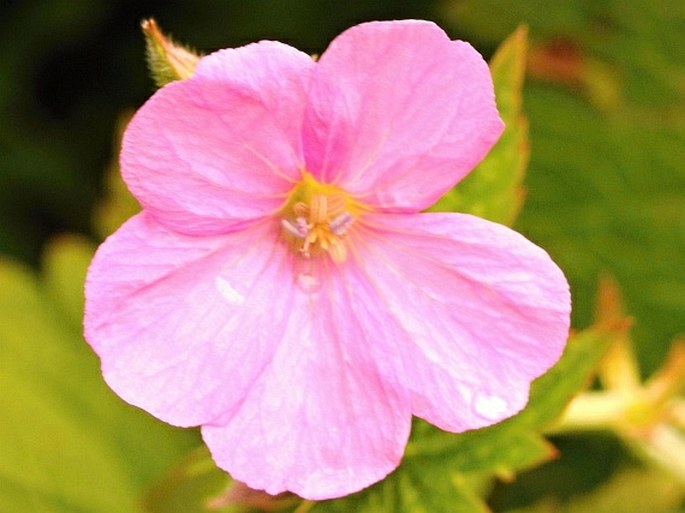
167, 60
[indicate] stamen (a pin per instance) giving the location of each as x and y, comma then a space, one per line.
341, 224
301, 209
338, 251
320, 226
297, 229
336, 204
319, 209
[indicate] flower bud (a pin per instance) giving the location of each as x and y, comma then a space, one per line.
167, 60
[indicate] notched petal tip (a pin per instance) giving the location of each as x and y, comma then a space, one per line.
221, 150
399, 148
178, 321
338, 428
476, 313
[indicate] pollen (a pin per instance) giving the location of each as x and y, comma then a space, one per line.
317, 219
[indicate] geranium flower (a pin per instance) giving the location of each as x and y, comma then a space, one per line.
281, 288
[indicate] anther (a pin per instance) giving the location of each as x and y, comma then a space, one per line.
341, 224
298, 228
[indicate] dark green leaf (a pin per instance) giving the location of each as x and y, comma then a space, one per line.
416, 487
500, 449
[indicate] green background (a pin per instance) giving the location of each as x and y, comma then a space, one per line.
606, 185
605, 194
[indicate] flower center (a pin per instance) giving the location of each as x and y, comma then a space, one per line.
317, 218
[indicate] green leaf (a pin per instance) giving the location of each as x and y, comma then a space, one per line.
550, 393
426, 487
67, 443
501, 449
493, 190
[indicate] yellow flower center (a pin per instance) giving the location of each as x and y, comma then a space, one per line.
317, 218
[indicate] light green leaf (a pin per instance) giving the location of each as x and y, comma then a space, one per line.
67, 444
493, 190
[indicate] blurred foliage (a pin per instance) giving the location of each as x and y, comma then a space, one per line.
68, 69
629, 491
604, 192
118, 204
606, 184
604, 99
68, 443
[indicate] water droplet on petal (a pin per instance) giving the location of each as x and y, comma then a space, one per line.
228, 292
308, 282
491, 407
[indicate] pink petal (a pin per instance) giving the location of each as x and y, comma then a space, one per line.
472, 312
320, 421
399, 114
211, 153
184, 325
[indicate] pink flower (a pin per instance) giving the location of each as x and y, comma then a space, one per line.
282, 290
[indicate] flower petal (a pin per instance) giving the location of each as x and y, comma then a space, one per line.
184, 325
399, 114
472, 313
320, 421
211, 153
